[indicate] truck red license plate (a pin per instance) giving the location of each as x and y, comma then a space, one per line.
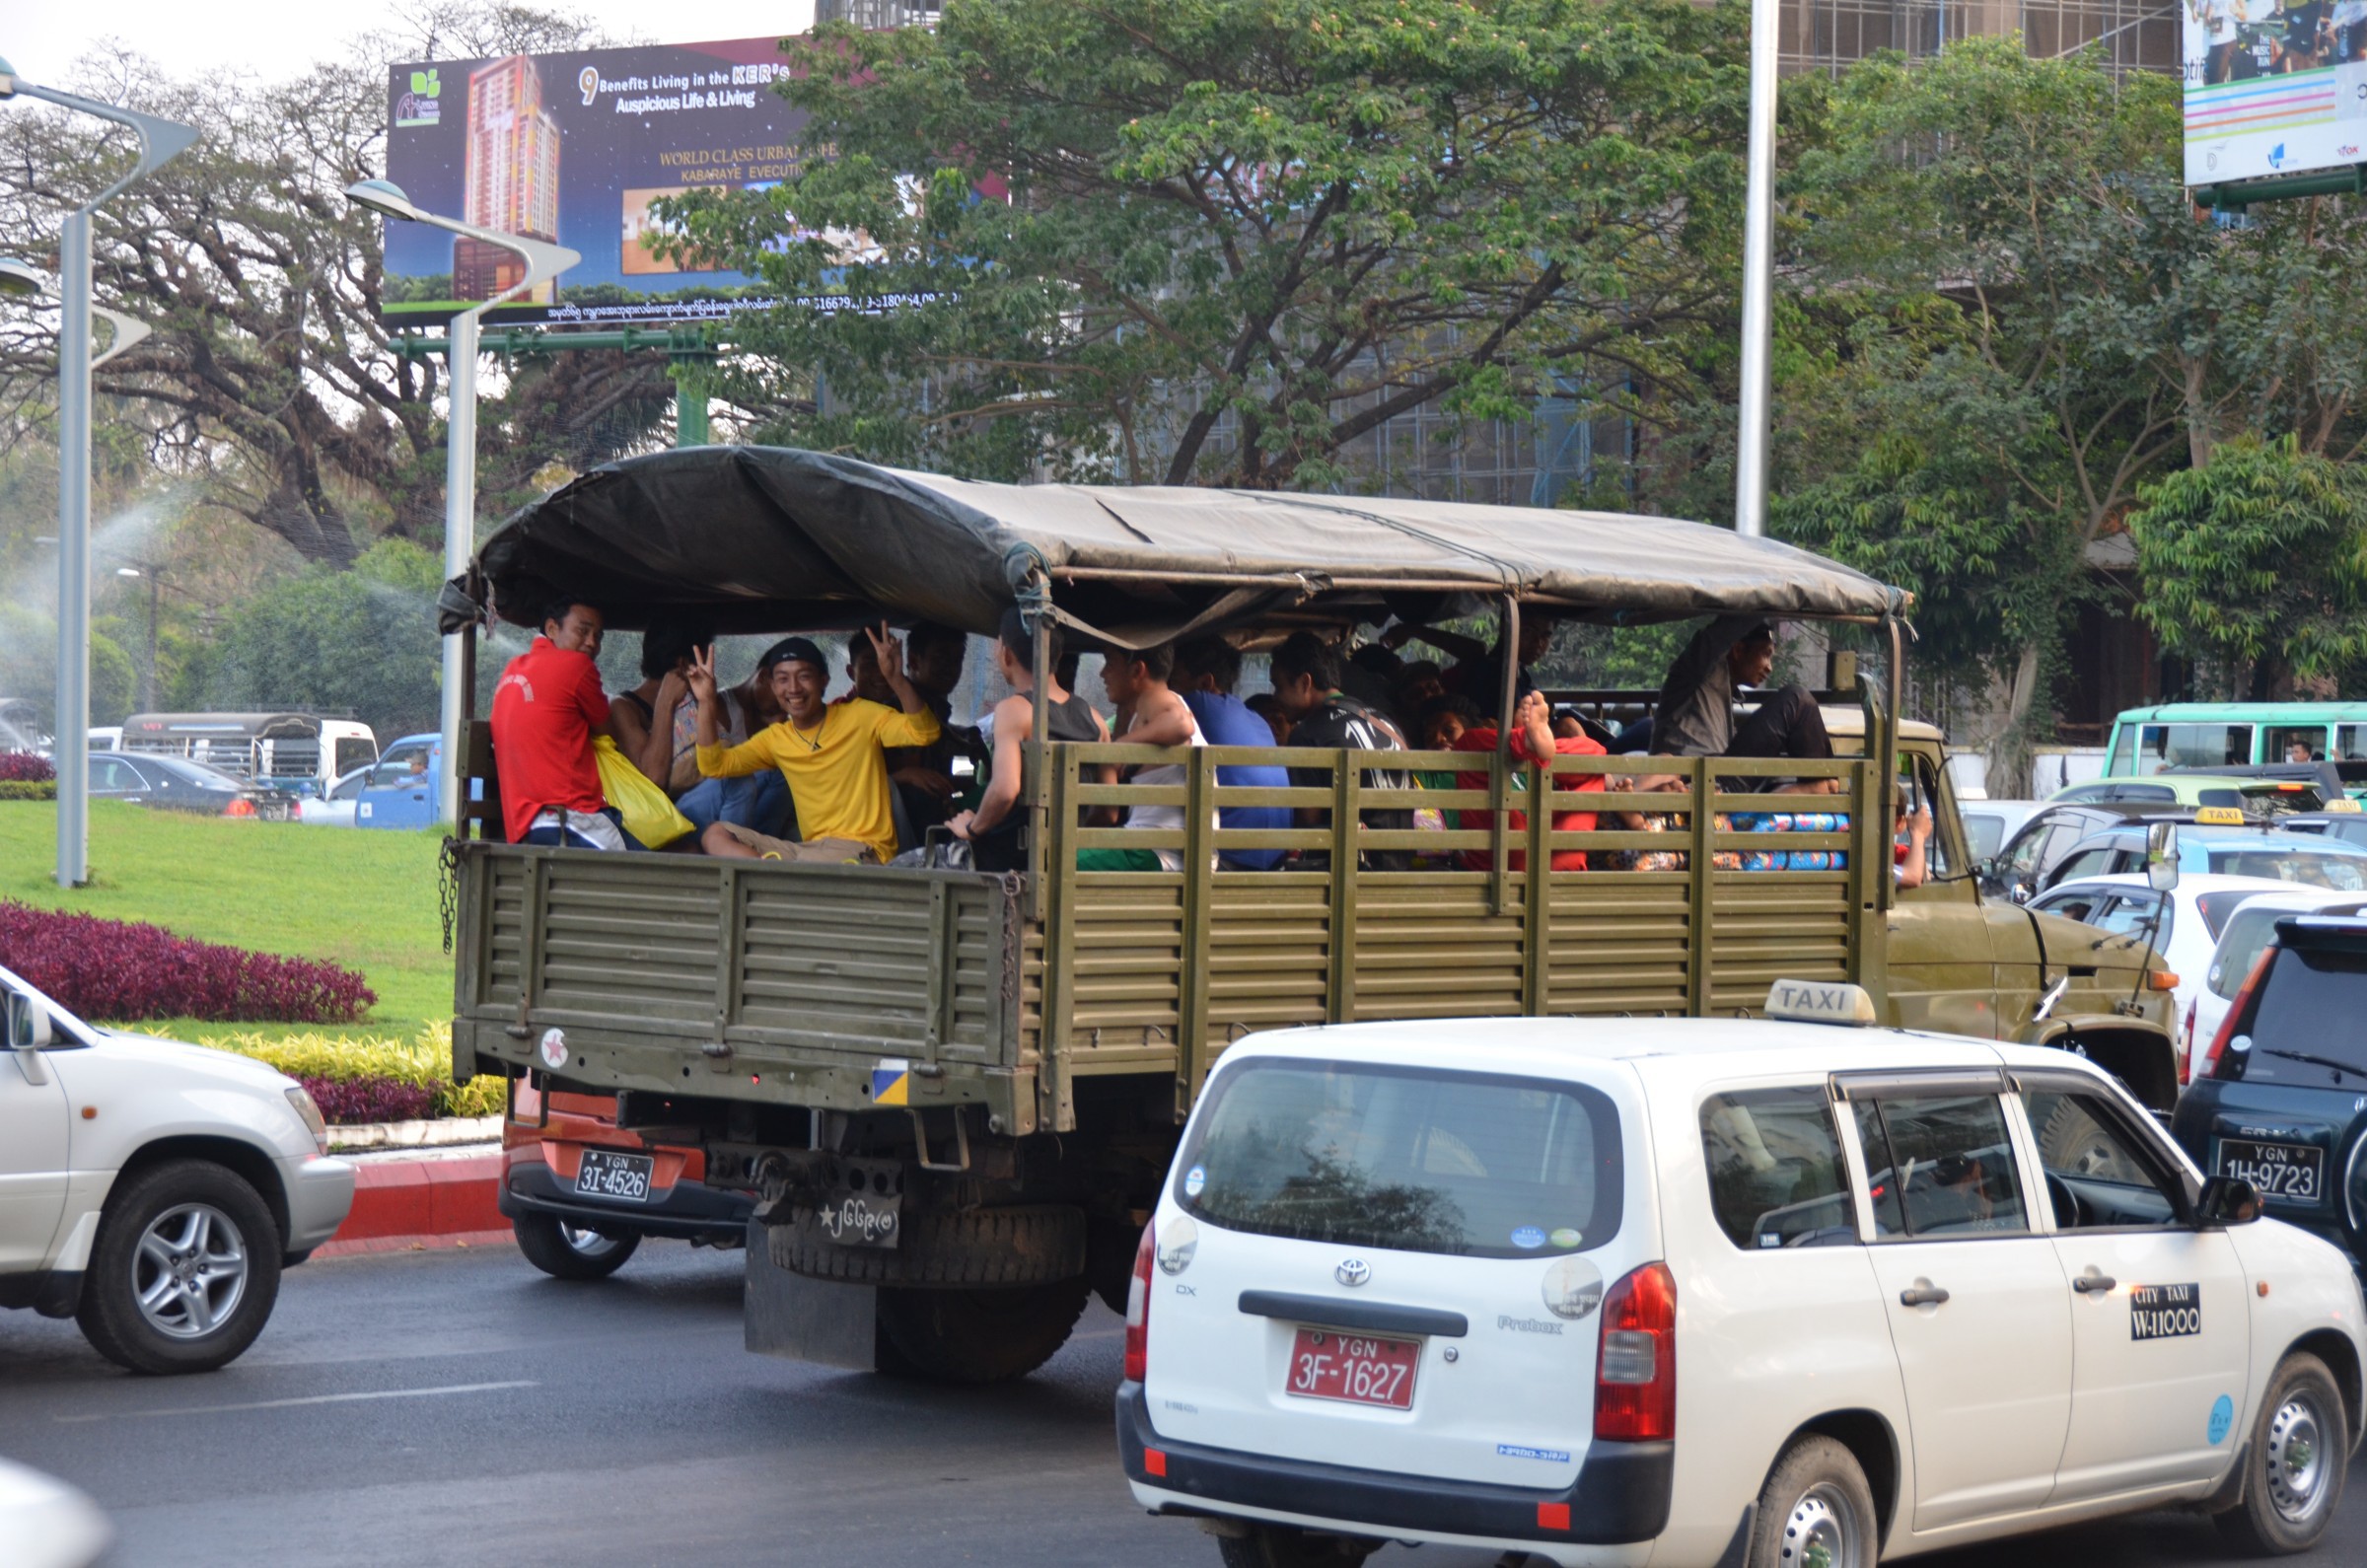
1325, 1364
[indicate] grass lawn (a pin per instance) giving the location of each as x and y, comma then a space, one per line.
362, 898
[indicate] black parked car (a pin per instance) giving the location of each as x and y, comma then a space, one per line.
175, 784
2280, 1098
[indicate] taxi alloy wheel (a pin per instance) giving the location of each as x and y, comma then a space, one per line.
2294, 1462
1816, 1510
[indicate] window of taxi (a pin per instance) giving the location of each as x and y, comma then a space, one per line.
1776, 1178
2099, 1174
1413, 1159
1940, 1167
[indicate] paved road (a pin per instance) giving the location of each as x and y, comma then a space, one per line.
458, 1408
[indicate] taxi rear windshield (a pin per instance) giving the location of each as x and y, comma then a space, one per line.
1419, 1160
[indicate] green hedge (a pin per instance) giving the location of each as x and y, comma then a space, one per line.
28, 789
425, 1062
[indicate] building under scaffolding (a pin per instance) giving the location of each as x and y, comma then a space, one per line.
1828, 35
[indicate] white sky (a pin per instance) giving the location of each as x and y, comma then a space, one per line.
44, 39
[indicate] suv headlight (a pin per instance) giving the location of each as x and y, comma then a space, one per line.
310, 1114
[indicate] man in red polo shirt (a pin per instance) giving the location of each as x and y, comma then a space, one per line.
545, 711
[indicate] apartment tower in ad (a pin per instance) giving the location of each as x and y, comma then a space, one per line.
511, 175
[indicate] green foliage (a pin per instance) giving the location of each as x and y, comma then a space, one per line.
363, 639
423, 1061
25, 789
1215, 241
28, 665
2257, 561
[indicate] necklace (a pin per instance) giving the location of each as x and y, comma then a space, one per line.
814, 740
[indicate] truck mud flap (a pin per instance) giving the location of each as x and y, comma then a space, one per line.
806, 1319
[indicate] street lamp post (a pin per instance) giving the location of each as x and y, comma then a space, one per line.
1758, 276
160, 140
544, 262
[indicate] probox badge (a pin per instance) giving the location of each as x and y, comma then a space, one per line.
2164, 1312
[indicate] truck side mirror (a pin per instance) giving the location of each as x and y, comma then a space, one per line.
2227, 1200
2161, 857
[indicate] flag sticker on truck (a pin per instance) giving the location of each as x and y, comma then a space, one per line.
2165, 1311
892, 1082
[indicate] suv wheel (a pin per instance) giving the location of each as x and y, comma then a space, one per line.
568, 1252
2299, 1448
1279, 1546
184, 1271
1815, 1510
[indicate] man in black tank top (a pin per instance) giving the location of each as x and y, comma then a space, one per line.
994, 830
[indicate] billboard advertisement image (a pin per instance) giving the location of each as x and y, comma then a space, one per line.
575, 148
2273, 87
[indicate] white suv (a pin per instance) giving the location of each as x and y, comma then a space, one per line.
1712, 1292
151, 1191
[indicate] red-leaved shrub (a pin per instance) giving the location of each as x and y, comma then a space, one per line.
355, 1100
119, 972
25, 767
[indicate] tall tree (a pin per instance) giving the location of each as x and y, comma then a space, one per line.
1219, 241
2002, 309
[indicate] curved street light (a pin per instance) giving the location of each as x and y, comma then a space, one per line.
160, 140
544, 262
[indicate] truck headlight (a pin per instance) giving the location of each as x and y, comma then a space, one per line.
310, 1114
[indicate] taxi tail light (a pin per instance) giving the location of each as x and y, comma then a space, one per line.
2185, 1045
1138, 1310
239, 806
1636, 1372
2235, 1012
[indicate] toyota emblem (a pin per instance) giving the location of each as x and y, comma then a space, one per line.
1353, 1271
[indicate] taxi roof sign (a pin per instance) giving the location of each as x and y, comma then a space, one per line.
2341, 804
2218, 816
1820, 1002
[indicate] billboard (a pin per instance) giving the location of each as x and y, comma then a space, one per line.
2273, 87
575, 148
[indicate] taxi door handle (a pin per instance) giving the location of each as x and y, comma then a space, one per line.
1922, 1296
2087, 1283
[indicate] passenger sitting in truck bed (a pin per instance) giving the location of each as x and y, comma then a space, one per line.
1306, 676
761, 799
545, 710
832, 755
922, 775
1532, 740
655, 723
1206, 671
1695, 716
1150, 712
994, 830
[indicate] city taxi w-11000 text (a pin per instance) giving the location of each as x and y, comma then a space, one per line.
1772, 1294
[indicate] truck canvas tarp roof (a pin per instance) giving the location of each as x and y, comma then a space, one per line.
764, 539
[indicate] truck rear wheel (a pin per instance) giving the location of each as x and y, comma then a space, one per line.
1037, 1244
978, 1335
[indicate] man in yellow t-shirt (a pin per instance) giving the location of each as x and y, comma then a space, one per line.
832, 755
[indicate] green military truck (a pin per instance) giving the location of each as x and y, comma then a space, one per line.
955, 1092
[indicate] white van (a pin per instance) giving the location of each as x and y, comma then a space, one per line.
1709, 1292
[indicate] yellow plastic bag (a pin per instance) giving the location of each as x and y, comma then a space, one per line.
648, 814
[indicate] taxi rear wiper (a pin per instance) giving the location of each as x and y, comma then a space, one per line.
2327, 1062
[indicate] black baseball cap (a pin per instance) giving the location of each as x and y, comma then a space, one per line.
789, 648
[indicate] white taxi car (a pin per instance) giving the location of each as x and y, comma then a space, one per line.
1696, 1291
151, 1191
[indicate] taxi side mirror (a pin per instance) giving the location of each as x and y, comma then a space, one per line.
27, 1025
2227, 1200
2161, 857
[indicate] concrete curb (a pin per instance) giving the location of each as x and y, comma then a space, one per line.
431, 1200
